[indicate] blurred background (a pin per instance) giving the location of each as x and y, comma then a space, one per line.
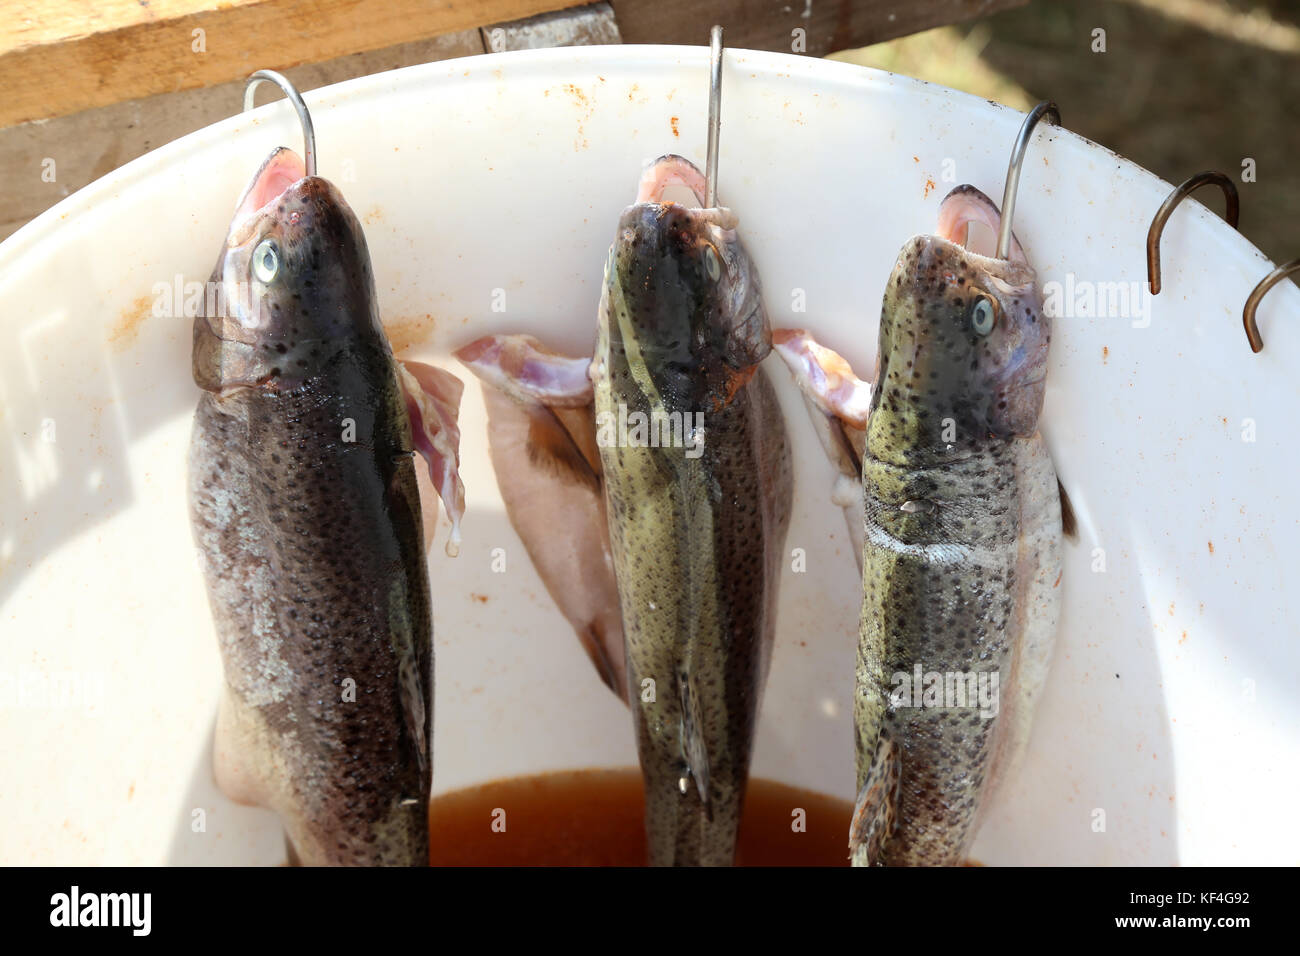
1182, 85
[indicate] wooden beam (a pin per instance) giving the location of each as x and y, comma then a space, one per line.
58, 58
771, 24
592, 25
62, 57
81, 147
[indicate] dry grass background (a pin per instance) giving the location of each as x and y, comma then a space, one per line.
1184, 85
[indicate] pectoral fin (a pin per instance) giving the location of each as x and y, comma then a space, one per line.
838, 402
695, 749
542, 439
1069, 524
876, 809
433, 404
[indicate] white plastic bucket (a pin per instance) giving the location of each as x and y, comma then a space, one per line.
1167, 733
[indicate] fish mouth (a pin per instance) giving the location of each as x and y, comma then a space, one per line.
677, 228
965, 207
673, 170
277, 175
693, 283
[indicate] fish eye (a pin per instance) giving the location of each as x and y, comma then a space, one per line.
983, 314
266, 260
711, 264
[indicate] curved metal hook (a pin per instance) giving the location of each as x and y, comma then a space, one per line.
1248, 313
1167, 209
1045, 108
715, 117
308, 133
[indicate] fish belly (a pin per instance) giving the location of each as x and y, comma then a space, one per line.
311, 623
959, 612
696, 545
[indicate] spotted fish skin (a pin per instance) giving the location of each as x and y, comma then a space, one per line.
306, 513
696, 538
962, 552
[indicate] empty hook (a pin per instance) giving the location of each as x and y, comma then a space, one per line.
1167, 208
1248, 313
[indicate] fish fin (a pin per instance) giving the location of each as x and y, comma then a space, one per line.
552, 448
542, 439
838, 403
242, 750
875, 812
1069, 523
597, 645
433, 403
825, 376
291, 856
527, 371
694, 749
412, 694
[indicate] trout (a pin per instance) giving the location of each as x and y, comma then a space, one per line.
305, 509
694, 479
962, 559
962, 526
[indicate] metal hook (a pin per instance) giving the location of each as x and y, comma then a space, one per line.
715, 117
1167, 209
1248, 314
308, 133
1045, 108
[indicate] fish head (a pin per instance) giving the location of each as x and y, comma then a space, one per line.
689, 294
292, 278
963, 336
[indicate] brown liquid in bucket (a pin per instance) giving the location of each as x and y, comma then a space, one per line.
594, 818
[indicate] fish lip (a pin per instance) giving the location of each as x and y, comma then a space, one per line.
990, 264
674, 170
1005, 275
670, 170
718, 222
979, 208
280, 173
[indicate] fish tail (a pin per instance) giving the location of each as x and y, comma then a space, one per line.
682, 832
876, 809
694, 747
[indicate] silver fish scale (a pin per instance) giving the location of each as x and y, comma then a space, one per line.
937, 592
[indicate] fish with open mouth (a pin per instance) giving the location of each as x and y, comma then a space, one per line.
669, 448
962, 526
306, 512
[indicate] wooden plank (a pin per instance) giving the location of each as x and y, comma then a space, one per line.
772, 24
86, 145
592, 25
58, 58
